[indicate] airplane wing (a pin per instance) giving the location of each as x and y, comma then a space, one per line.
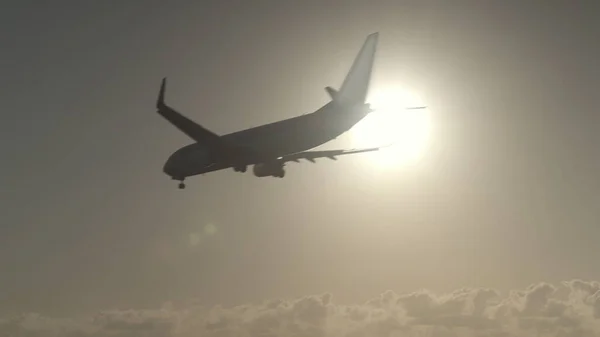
331, 154
187, 126
226, 152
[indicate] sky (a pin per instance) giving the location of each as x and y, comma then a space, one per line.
494, 229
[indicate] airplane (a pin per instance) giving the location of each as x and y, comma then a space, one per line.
270, 146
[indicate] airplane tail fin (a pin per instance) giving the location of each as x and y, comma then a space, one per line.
355, 87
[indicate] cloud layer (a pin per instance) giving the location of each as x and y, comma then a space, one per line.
568, 309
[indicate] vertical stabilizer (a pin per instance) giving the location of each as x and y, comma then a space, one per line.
355, 87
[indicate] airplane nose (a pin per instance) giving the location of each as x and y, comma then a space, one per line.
173, 168
168, 167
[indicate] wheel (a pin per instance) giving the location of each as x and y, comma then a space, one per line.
181, 185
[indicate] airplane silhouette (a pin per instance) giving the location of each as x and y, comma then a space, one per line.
269, 147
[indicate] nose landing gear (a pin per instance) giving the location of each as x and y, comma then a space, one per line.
181, 183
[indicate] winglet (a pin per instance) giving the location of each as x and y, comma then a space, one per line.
160, 102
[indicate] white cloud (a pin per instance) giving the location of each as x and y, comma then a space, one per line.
543, 310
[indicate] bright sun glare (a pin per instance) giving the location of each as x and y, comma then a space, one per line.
406, 131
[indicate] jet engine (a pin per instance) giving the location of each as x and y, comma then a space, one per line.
274, 169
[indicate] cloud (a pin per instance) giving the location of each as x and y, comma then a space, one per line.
543, 310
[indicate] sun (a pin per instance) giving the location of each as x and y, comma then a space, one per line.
392, 123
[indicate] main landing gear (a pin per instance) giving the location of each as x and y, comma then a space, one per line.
242, 168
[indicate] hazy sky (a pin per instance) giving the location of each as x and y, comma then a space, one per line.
506, 196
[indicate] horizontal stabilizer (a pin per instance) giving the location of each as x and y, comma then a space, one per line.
332, 92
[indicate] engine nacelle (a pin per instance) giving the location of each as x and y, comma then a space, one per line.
269, 170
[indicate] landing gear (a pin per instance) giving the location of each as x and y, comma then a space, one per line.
240, 168
279, 174
181, 183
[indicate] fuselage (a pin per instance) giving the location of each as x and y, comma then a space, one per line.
273, 140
